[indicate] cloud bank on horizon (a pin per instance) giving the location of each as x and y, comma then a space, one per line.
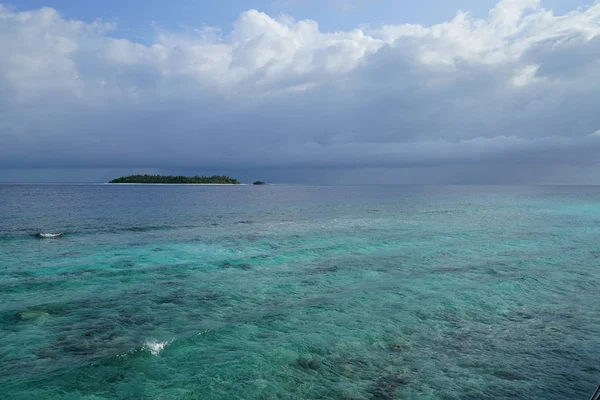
521, 87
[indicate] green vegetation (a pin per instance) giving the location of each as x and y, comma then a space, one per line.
221, 179
259, 183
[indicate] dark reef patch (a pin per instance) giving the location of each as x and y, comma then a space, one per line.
387, 386
242, 266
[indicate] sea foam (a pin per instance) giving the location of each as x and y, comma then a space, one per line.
155, 347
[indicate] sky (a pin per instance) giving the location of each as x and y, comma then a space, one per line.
302, 91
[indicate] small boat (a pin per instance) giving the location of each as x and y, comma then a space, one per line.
49, 235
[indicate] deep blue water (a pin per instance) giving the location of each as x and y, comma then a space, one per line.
289, 292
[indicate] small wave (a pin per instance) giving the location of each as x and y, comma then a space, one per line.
152, 228
49, 235
155, 347
143, 228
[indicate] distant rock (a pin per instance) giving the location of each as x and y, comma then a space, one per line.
259, 183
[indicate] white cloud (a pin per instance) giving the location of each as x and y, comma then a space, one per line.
521, 85
525, 75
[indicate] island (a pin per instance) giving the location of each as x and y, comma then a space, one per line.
259, 183
168, 179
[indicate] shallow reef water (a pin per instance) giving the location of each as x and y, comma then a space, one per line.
299, 292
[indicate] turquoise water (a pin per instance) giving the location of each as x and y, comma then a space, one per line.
284, 292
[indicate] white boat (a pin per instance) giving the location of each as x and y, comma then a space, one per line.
49, 235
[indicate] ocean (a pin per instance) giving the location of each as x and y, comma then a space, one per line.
299, 292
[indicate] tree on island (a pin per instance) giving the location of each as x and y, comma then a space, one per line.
259, 183
179, 179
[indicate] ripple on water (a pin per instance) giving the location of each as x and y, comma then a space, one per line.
440, 294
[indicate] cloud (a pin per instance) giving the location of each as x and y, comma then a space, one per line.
521, 86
